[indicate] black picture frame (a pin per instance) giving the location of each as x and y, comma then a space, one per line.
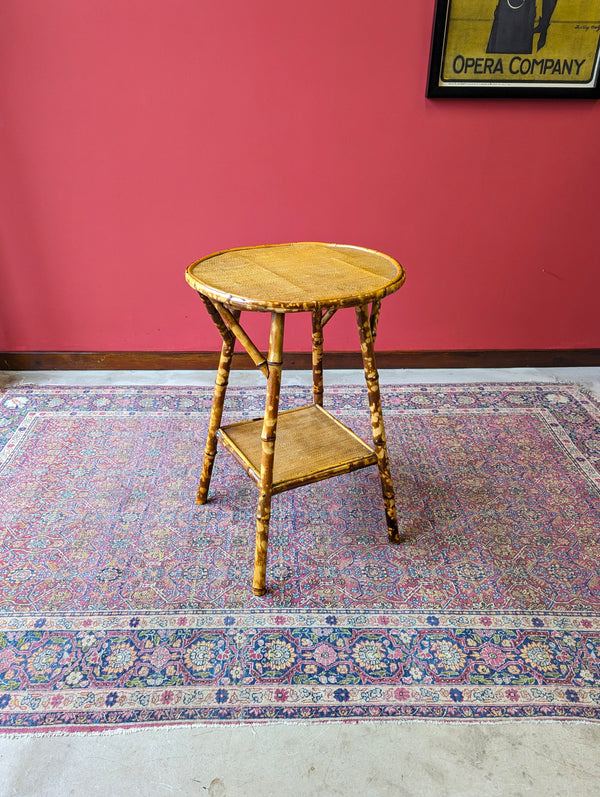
559, 57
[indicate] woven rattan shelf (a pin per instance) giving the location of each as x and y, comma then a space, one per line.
307, 444
311, 445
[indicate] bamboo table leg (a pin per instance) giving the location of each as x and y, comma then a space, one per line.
269, 431
372, 378
221, 382
317, 356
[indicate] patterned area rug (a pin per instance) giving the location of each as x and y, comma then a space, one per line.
122, 603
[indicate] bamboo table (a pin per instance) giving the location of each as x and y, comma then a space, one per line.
311, 444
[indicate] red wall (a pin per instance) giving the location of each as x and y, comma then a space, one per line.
138, 135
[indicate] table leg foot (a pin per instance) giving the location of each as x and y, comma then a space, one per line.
398, 538
262, 544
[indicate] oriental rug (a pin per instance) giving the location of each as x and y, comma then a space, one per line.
123, 604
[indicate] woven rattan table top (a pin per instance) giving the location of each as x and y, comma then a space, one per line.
295, 277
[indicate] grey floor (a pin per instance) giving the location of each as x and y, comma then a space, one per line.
411, 758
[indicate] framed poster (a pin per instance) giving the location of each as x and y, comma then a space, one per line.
515, 48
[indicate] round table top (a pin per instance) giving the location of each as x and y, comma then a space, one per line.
295, 277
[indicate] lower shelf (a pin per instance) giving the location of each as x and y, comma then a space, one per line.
311, 445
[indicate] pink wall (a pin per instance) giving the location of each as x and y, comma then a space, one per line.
138, 135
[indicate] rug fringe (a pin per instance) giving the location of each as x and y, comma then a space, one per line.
27, 734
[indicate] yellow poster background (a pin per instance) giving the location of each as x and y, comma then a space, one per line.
567, 56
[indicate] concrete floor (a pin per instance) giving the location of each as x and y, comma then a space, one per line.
389, 758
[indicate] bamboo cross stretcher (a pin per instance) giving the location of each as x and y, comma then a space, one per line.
311, 444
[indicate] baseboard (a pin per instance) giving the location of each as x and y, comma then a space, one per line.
200, 361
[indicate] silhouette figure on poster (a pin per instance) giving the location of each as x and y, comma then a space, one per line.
514, 26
